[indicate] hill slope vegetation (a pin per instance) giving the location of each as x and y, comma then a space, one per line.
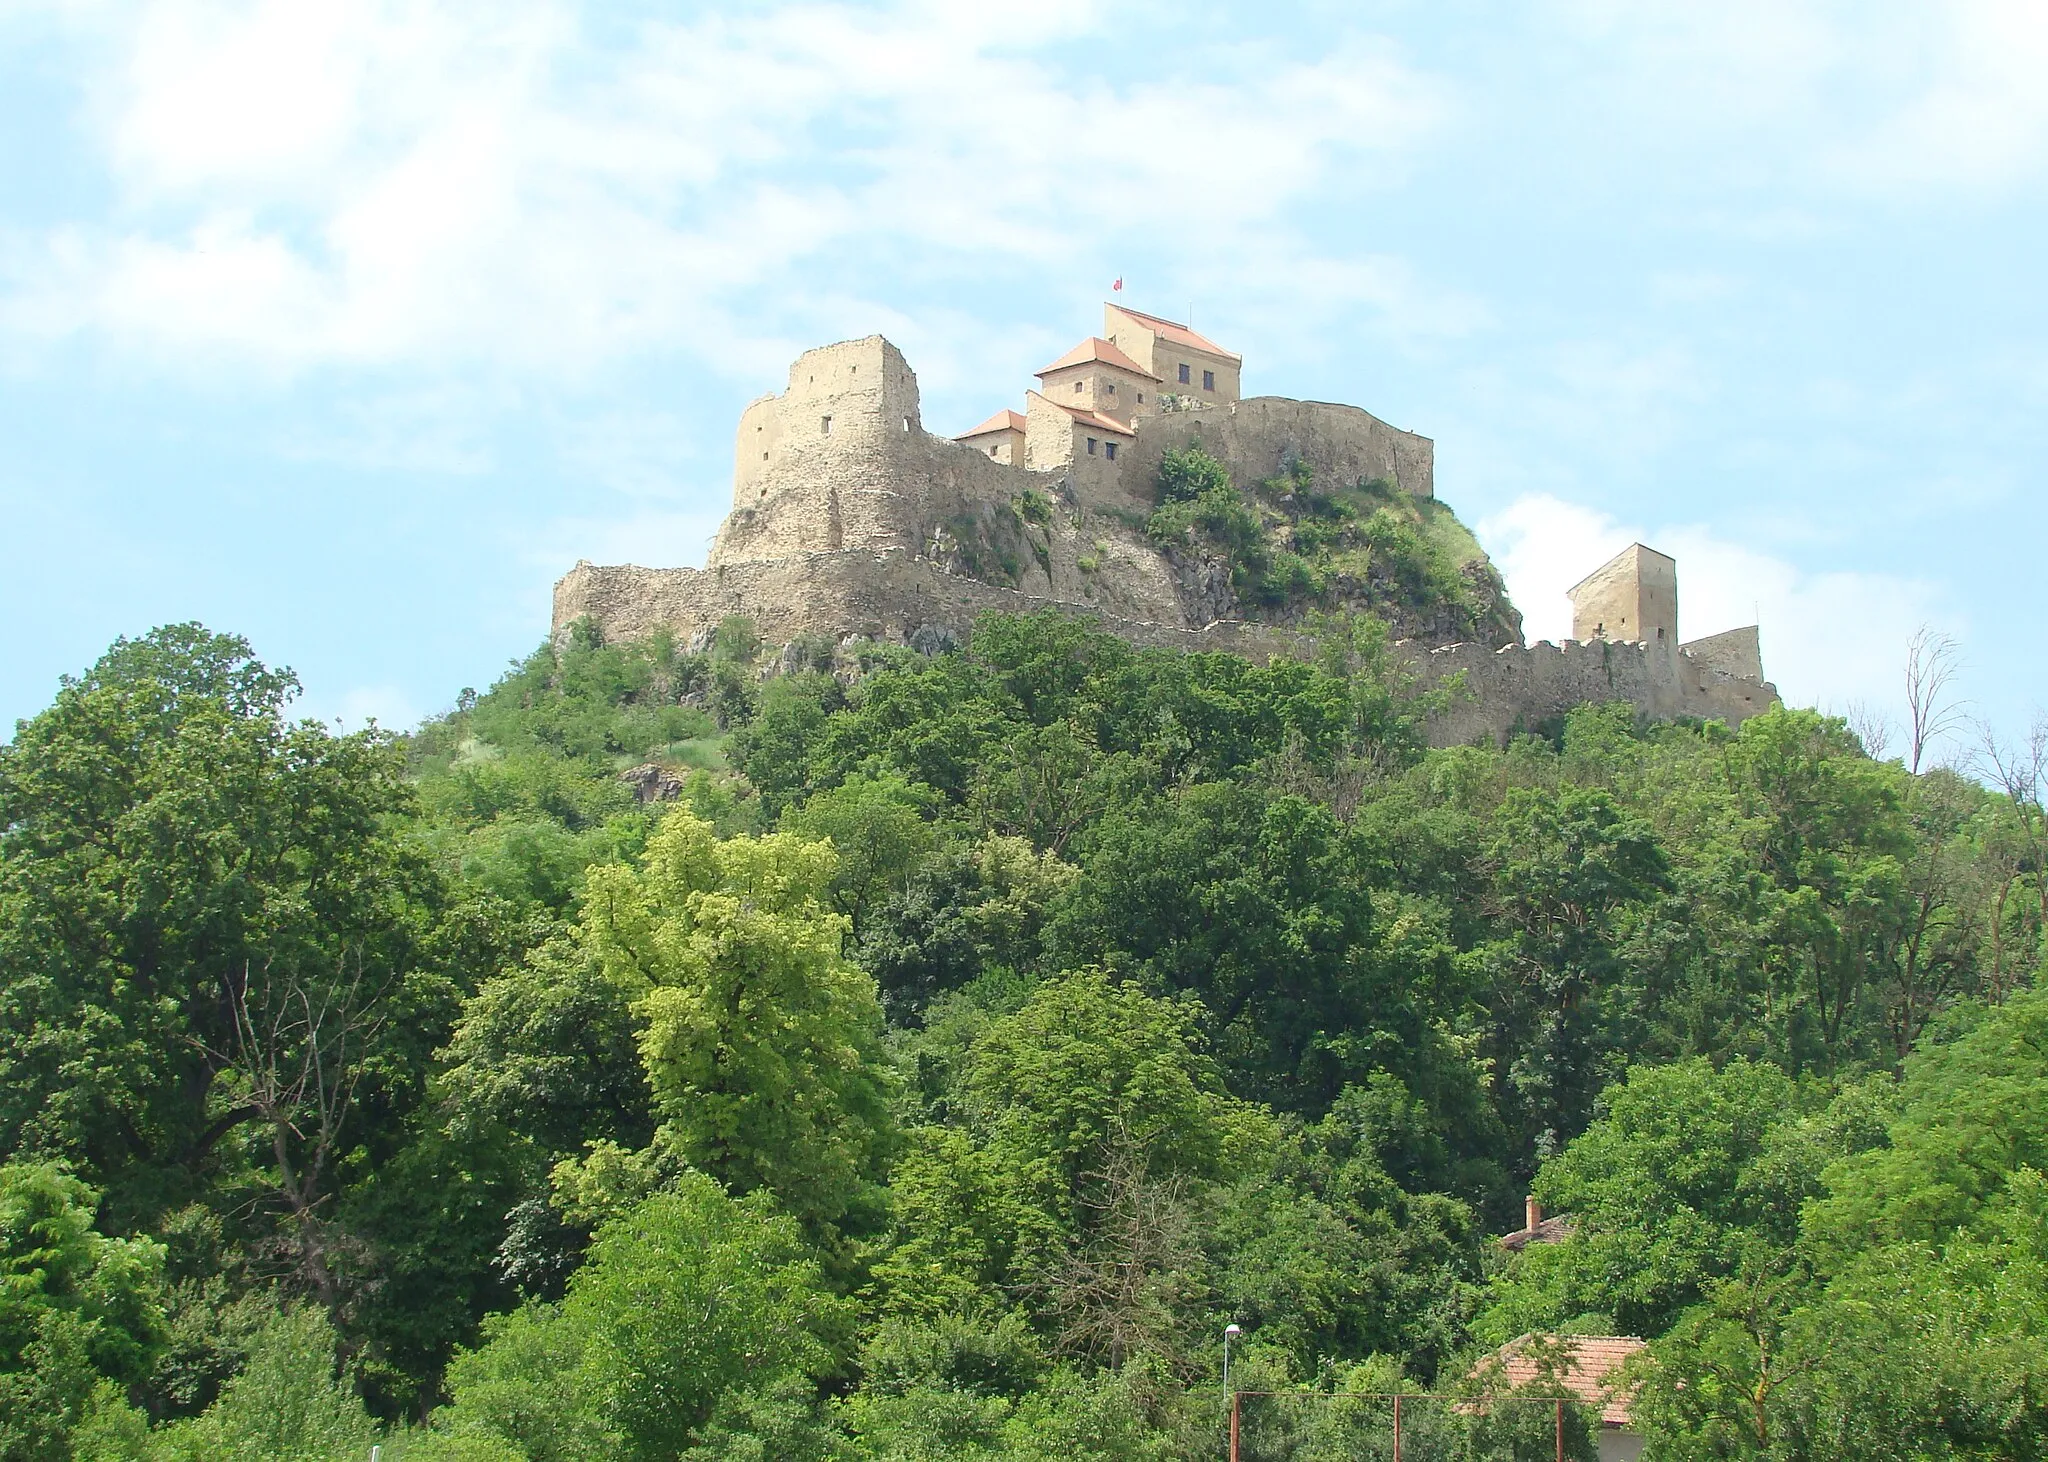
653, 1059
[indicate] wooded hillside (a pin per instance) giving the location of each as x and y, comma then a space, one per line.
930, 1066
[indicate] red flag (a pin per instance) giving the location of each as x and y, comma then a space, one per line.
1118, 286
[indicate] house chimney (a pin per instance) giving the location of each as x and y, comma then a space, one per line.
1533, 1211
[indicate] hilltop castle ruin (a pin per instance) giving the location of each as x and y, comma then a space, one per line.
850, 520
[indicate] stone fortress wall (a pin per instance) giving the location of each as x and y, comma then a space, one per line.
850, 520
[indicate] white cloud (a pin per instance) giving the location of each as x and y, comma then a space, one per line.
1978, 113
1903, 98
301, 182
1832, 638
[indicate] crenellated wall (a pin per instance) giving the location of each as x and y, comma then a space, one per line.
1519, 687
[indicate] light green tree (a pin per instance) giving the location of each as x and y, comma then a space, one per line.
78, 1310
759, 1037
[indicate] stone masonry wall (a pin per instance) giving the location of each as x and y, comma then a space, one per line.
1520, 687
1258, 438
891, 596
1734, 654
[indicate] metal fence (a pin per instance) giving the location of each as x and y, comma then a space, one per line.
1340, 1426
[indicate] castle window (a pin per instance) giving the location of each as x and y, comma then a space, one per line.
1183, 373
1208, 380
1091, 446
1141, 398
1077, 387
906, 423
1109, 388
1109, 450
991, 451
824, 426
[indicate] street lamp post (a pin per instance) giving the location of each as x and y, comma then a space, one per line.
1230, 1333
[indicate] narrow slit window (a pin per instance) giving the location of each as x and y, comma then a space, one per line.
824, 426
906, 423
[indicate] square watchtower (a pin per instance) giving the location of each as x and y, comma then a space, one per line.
1633, 596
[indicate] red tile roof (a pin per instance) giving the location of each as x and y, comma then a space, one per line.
1554, 1230
1096, 348
1587, 1369
1004, 420
1178, 333
1094, 418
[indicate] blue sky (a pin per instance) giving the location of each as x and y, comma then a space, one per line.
349, 327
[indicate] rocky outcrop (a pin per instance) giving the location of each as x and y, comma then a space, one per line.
652, 782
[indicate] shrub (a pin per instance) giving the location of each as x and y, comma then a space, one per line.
1189, 474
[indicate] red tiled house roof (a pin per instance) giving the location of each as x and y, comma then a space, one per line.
1095, 418
1179, 334
1588, 1364
1553, 1230
1095, 348
1004, 420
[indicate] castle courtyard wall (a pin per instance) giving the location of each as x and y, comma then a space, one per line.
1518, 688
890, 596
1259, 438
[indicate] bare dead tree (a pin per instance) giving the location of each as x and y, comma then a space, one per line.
1873, 727
1933, 660
300, 1041
2021, 773
1117, 1291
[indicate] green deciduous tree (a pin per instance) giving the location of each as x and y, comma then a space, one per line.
1253, 903
78, 1310
691, 1300
758, 1035
1689, 1176
1568, 868
199, 901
